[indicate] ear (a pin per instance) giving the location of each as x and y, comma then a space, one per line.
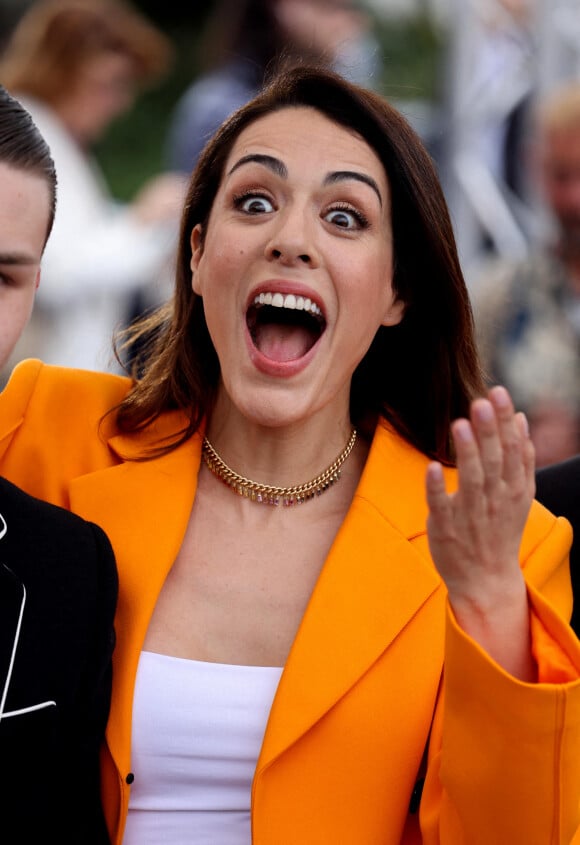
196, 242
394, 313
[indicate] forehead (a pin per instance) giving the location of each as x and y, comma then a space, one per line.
305, 136
24, 210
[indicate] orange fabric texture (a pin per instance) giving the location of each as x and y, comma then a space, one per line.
354, 707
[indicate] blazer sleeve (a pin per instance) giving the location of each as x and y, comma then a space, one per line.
504, 761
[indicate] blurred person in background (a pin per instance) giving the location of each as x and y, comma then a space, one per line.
58, 579
528, 310
558, 488
501, 87
76, 65
245, 40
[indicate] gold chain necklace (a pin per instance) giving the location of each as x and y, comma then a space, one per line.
268, 494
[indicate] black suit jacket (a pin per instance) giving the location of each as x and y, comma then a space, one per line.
58, 591
558, 488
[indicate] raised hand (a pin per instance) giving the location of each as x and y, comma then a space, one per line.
475, 532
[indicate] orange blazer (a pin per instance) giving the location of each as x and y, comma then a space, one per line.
377, 653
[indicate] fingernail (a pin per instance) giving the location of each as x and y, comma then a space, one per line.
501, 396
484, 411
525, 424
462, 430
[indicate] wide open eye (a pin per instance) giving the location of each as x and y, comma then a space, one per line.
254, 204
346, 218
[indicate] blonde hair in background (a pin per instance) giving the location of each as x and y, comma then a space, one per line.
560, 110
55, 38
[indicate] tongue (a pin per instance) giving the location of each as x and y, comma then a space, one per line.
283, 343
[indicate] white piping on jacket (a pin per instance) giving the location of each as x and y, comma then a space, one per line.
44, 704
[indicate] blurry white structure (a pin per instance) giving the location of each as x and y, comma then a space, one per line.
500, 53
558, 22
491, 69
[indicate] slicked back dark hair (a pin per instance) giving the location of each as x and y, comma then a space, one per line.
420, 374
23, 147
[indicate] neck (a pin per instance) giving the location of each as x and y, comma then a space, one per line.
272, 494
283, 456
68, 113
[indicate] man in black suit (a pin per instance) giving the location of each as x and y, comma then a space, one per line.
58, 580
558, 488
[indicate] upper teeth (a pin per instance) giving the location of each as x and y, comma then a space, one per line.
278, 300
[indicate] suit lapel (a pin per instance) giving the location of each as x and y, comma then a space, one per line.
11, 607
372, 584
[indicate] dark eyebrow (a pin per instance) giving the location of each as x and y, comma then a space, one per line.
343, 175
279, 168
274, 164
17, 258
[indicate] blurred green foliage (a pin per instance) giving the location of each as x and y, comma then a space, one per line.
133, 149
412, 55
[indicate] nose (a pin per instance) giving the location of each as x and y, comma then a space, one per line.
286, 257
292, 243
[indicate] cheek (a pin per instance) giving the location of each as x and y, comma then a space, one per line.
375, 279
14, 316
196, 285
218, 271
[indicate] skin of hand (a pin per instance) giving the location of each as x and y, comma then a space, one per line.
160, 199
554, 429
475, 532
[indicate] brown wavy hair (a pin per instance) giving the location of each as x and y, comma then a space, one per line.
420, 374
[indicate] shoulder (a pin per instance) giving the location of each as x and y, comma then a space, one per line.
565, 472
34, 370
558, 488
35, 533
393, 480
20, 512
56, 421
213, 96
65, 389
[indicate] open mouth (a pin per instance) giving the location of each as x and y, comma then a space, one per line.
284, 327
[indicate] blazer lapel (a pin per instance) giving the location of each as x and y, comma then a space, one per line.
12, 416
372, 584
144, 507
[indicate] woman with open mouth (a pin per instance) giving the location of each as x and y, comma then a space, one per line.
343, 617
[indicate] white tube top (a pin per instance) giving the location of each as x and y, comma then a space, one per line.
197, 732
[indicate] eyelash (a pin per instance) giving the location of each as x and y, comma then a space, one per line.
240, 198
361, 218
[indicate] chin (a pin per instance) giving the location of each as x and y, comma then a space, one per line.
271, 413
